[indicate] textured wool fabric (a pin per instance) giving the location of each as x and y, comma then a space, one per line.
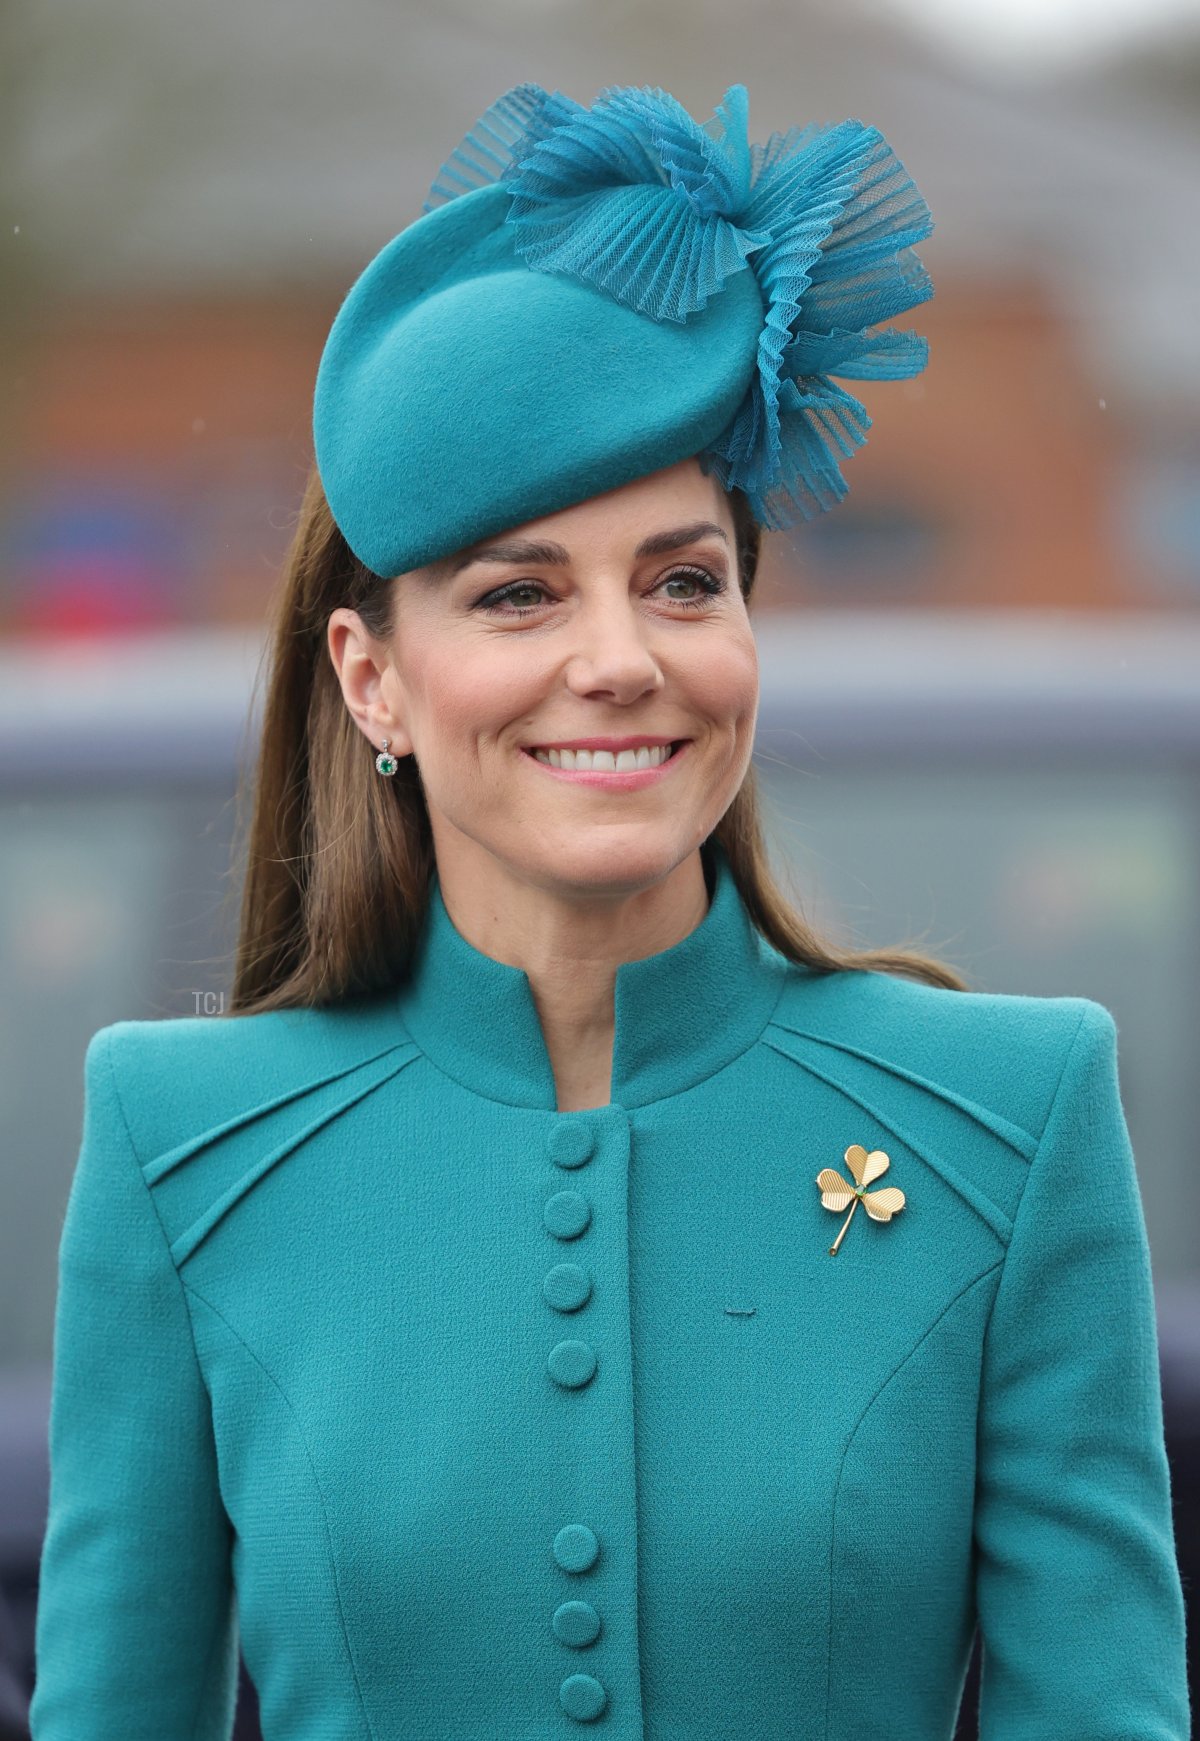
480, 1421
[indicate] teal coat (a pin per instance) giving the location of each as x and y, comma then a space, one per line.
481, 1421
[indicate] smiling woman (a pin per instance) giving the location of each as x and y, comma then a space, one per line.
458, 1324
629, 610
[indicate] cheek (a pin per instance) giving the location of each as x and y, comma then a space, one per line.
468, 695
721, 682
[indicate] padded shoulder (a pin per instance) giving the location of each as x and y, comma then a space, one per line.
213, 1103
966, 1079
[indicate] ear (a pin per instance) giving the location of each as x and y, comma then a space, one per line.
369, 681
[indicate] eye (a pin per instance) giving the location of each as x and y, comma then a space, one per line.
710, 586
709, 583
492, 601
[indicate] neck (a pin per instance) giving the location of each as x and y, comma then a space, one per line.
570, 944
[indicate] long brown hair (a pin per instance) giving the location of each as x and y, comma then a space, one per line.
337, 862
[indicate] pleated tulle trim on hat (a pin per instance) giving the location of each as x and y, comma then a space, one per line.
636, 198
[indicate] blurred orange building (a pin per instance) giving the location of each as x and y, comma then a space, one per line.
165, 444
159, 440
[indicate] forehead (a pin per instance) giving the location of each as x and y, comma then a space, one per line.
652, 515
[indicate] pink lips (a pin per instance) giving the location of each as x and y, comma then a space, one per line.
614, 780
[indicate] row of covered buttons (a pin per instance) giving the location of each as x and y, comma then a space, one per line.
572, 1364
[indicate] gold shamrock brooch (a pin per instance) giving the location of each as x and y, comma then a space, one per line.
837, 1192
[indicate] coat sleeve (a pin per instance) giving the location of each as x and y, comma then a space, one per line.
136, 1633
1078, 1592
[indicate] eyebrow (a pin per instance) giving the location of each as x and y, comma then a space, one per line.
557, 555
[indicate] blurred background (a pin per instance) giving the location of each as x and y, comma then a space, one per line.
980, 726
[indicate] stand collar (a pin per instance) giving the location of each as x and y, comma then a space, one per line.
680, 1015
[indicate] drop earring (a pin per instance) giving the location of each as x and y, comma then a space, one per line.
384, 763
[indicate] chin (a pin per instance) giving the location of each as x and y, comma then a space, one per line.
610, 860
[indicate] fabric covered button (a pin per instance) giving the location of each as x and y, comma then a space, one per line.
567, 1287
576, 1623
571, 1363
576, 1547
570, 1145
567, 1214
583, 1697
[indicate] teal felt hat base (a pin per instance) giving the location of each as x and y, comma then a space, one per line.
461, 393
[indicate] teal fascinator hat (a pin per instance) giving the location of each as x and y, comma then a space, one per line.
592, 294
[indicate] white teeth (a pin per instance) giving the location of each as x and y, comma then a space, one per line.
585, 761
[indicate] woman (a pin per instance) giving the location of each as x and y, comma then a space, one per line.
477, 1326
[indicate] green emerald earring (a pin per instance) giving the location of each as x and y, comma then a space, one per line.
384, 763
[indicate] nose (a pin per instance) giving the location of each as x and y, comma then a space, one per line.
612, 653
